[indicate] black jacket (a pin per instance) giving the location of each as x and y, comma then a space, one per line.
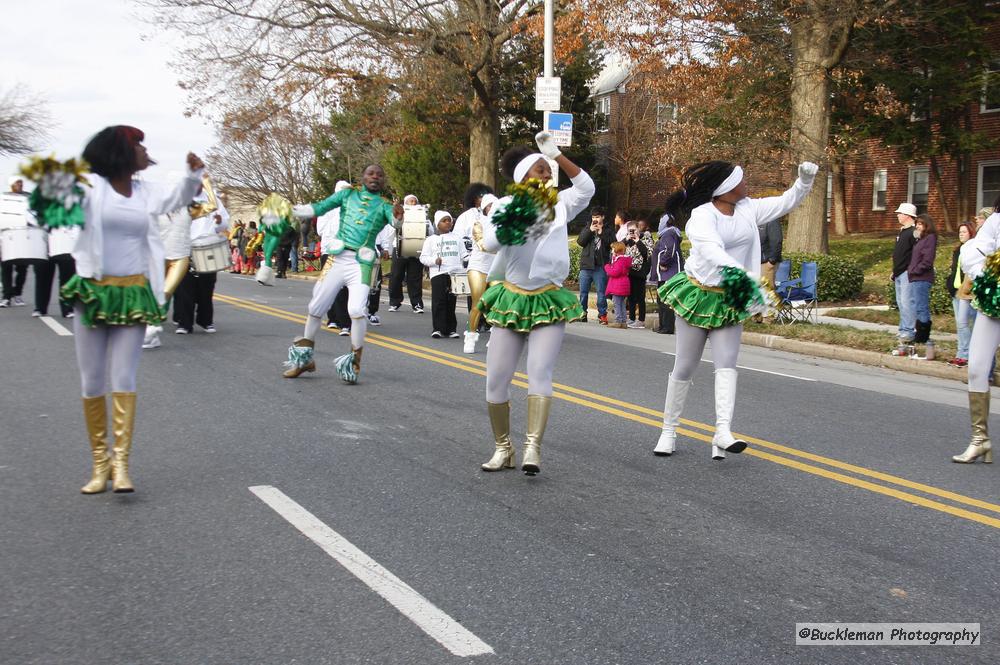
770, 242
903, 251
955, 268
591, 257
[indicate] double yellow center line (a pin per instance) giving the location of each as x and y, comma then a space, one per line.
763, 449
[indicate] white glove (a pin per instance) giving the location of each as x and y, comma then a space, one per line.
546, 145
807, 172
303, 211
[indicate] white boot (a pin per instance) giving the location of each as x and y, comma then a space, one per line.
676, 395
265, 275
151, 340
470, 342
725, 399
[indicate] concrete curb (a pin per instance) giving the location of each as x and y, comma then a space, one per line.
818, 349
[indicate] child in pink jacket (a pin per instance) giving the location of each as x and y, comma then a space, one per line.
619, 286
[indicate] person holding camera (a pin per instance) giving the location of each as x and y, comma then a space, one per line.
638, 245
596, 253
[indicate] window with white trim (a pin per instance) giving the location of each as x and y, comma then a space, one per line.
829, 196
602, 113
988, 185
879, 186
991, 88
666, 114
918, 187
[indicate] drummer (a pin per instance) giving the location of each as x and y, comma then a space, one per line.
193, 300
13, 275
408, 269
444, 254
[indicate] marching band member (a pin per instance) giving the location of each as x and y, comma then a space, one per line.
408, 269
526, 304
118, 288
718, 289
470, 225
13, 274
193, 300
443, 253
352, 257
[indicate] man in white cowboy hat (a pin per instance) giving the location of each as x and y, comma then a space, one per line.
906, 214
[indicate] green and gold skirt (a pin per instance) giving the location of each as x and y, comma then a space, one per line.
508, 306
701, 306
114, 301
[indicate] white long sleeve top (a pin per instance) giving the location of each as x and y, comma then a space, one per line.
327, 226
479, 259
206, 230
449, 247
719, 240
91, 246
545, 260
175, 231
975, 251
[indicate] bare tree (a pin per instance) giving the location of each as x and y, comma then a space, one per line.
300, 47
24, 121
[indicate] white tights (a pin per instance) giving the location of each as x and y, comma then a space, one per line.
504, 353
343, 271
982, 347
95, 347
691, 342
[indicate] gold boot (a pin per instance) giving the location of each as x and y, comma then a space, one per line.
538, 416
96, 414
503, 455
122, 422
979, 445
356, 364
300, 358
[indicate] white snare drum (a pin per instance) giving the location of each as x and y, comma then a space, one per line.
25, 243
460, 284
63, 239
14, 211
213, 257
414, 231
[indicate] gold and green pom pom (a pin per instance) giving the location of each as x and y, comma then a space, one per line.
58, 195
278, 206
986, 288
532, 206
739, 290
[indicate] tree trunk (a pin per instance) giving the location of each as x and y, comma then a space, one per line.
839, 195
484, 133
945, 220
964, 207
810, 129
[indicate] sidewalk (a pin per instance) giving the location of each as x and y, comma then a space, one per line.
817, 349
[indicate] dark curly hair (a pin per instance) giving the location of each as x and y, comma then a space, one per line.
511, 158
111, 152
474, 192
697, 185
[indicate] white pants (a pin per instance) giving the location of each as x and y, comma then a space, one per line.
691, 342
504, 353
344, 271
98, 348
982, 347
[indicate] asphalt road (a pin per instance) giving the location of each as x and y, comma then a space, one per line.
846, 508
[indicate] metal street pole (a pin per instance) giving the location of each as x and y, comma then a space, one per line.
548, 38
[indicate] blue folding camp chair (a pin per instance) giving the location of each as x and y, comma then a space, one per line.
798, 296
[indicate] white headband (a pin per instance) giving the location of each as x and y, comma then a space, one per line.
488, 199
729, 184
525, 164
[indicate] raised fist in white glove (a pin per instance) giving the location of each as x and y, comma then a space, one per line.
807, 172
303, 211
546, 145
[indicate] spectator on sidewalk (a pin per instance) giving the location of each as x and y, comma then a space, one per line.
596, 242
906, 215
981, 217
619, 286
920, 273
638, 246
961, 302
770, 249
666, 262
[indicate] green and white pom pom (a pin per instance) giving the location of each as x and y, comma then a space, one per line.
299, 357
345, 367
741, 292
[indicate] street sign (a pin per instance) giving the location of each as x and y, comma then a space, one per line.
560, 125
548, 90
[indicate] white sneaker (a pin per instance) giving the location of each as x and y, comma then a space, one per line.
5, 302
419, 309
636, 325
453, 335
393, 308
36, 314
374, 320
331, 325
210, 328
182, 331
470, 342
70, 315
152, 342
19, 302
344, 332
436, 334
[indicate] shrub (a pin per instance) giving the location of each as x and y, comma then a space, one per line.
940, 298
839, 278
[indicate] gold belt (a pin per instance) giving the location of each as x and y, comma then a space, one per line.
715, 289
525, 292
124, 280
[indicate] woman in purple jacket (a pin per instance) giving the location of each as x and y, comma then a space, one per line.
665, 263
921, 275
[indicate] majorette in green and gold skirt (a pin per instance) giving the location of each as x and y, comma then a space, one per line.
508, 306
114, 301
701, 306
